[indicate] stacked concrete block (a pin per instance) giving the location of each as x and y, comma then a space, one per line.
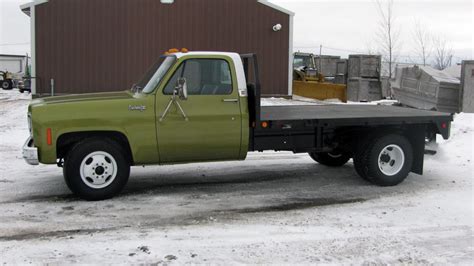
467, 83
363, 90
364, 66
341, 72
327, 64
386, 91
364, 82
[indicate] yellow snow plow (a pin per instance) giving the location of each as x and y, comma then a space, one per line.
320, 91
310, 83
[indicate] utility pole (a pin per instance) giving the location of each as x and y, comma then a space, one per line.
320, 58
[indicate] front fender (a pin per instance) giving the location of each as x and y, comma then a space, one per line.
112, 115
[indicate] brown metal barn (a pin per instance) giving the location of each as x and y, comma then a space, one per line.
106, 45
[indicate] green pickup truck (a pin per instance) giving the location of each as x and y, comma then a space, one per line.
205, 106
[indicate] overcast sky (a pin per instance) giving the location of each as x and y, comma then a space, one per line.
345, 26
341, 26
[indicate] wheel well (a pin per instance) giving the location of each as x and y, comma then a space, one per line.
67, 141
352, 139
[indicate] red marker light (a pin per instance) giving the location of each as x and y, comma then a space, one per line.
444, 125
49, 136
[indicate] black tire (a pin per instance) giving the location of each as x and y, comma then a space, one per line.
7, 84
360, 158
21, 91
330, 159
360, 165
81, 186
369, 166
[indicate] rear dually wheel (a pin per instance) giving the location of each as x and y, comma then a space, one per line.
387, 161
332, 159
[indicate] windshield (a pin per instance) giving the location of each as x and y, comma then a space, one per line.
156, 73
302, 61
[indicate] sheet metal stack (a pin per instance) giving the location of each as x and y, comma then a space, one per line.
327, 64
364, 82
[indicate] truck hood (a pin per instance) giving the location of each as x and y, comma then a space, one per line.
83, 97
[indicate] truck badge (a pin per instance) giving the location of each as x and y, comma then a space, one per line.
140, 108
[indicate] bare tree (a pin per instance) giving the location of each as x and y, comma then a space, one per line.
388, 33
443, 53
423, 42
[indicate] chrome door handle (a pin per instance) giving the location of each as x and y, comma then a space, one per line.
231, 100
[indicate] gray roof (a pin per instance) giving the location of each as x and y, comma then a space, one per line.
26, 8
12, 55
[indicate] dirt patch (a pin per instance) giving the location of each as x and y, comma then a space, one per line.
152, 185
144, 249
44, 198
298, 204
54, 234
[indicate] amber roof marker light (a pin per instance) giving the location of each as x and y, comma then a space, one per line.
176, 50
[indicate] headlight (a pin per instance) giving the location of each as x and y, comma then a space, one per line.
30, 125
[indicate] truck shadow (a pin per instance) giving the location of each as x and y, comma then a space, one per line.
245, 179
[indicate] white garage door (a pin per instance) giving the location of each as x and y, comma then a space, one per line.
10, 65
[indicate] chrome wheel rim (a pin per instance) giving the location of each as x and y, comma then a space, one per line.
391, 160
98, 170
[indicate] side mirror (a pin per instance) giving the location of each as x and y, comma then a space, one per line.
182, 89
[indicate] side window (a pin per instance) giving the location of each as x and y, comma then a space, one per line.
225, 76
203, 77
172, 82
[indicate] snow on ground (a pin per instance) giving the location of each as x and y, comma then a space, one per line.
297, 100
274, 208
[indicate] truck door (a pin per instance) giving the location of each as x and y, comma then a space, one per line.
213, 128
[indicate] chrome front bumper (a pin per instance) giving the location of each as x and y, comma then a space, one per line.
30, 152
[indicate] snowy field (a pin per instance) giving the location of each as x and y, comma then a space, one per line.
274, 208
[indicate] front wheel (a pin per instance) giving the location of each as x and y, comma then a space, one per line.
332, 159
96, 169
7, 84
